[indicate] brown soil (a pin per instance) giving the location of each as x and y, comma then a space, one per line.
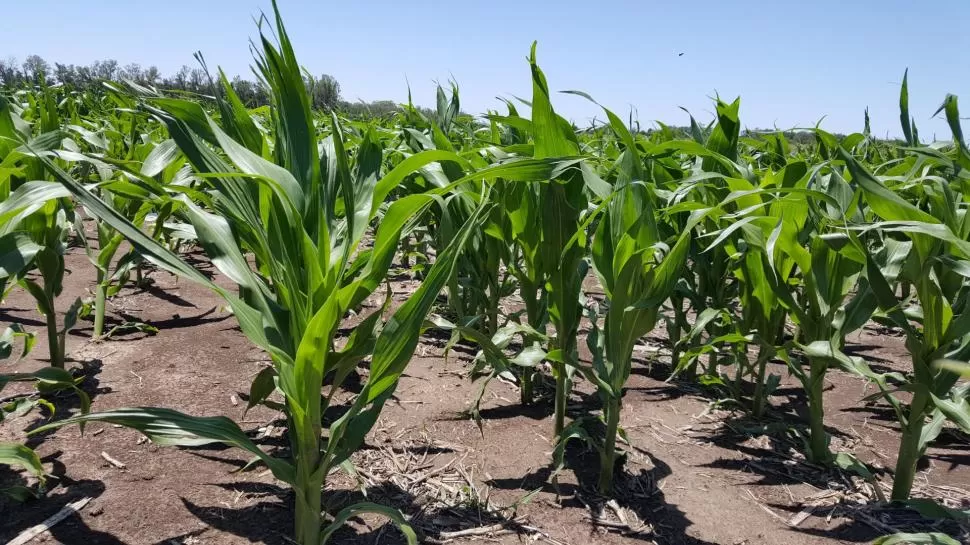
696, 476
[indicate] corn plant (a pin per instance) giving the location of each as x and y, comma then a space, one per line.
35, 218
545, 223
513, 235
521, 205
478, 286
760, 316
638, 271
518, 224
933, 260
562, 248
709, 288
120, 157
825, 296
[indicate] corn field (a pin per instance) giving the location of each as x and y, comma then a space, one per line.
552, 252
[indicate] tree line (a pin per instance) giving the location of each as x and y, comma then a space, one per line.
35, 70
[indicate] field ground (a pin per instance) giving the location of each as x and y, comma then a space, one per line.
697, 476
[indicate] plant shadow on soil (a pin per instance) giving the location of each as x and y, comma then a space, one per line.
20, 316
125, 321
636, 492
269, 520
71, 530
957, 445
67, 402
763, 445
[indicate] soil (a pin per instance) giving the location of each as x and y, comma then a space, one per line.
696, 474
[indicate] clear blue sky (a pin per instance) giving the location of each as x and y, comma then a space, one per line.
791, 62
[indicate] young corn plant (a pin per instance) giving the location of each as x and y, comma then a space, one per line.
302, 211
933, 259
638, 270
761, 317
109, 282
774, 207
35, 218
638, 264
701, 181
521, 206
121, 161
562, 246
769, 206
518, 225
474, 292
830, 298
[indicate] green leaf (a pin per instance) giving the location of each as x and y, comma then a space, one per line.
935, 538
168, 427
955, 410
933, 510
828, 352
261, 388
553, 135
395, 345
959, 367
17, 454
884, 202
17, 251
12, 332
346, 513
19, 494
852, 464
236, 119
27, 199
904, 110
161, 156
250, 320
